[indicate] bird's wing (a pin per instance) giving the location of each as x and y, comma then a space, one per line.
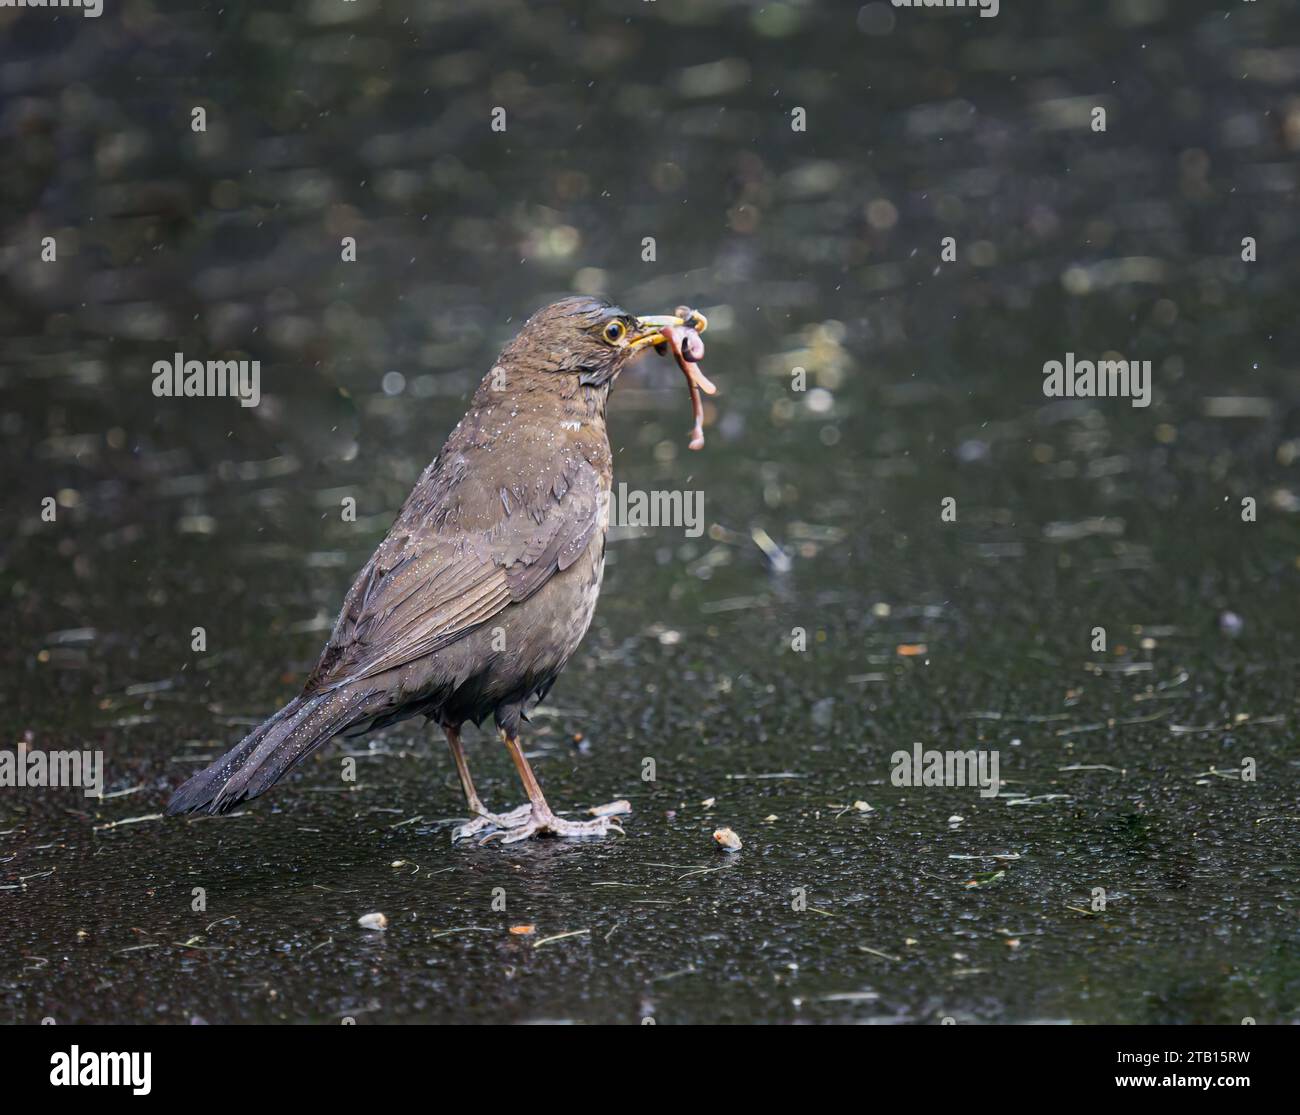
432, 579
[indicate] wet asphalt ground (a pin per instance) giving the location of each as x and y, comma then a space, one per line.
1138, 864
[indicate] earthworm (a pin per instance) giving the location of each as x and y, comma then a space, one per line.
687, 348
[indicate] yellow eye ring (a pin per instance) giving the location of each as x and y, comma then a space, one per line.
615, 331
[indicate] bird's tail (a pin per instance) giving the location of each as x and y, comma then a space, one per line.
263, 756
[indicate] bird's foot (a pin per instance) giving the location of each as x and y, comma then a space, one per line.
483, 821
547, 824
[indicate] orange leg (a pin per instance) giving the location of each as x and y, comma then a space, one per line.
541, 819
481, 818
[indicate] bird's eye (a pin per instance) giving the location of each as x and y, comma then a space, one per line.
615, 331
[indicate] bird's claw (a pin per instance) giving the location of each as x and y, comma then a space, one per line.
491, 821
556, 826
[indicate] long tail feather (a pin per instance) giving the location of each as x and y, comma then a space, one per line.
263, 756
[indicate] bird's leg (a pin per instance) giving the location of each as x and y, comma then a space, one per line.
541, 819
481, 819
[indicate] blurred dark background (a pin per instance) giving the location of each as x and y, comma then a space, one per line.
816, 249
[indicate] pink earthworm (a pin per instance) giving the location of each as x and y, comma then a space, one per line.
687, 348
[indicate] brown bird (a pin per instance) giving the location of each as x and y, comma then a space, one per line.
488, 579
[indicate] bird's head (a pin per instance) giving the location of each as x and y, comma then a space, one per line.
588, 340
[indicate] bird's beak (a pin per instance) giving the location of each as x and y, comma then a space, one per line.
650, 330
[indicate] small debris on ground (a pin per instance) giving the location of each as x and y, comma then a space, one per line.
727, 840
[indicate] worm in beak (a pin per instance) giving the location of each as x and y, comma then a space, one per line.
679, 334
